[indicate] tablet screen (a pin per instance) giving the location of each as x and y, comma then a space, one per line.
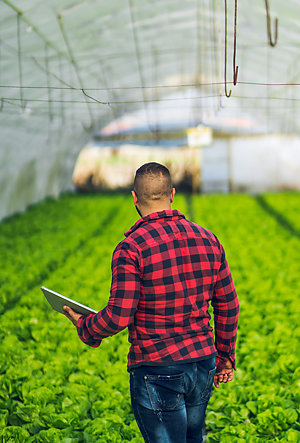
58, 301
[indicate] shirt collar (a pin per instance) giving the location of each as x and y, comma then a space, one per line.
166, 214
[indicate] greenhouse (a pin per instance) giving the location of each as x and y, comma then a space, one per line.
90, 91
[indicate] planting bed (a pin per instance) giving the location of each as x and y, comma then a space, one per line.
53, 388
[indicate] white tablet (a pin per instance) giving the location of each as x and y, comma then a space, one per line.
58, 301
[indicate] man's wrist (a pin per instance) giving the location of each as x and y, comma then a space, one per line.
221, 361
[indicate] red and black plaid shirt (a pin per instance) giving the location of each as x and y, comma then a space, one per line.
164, 274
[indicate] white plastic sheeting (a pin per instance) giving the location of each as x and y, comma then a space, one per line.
265, 163
67, 68
252, 164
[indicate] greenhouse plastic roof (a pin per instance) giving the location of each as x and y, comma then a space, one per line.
67, 56
69, 68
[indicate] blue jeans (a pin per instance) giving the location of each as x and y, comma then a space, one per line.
169, 402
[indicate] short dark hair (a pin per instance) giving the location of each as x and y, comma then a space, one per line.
152, 182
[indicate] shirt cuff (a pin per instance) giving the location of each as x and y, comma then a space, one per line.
79, 322
84, 335
221, 362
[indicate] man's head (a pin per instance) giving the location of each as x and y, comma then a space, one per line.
153, 190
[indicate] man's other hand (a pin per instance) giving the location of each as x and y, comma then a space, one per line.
224, 375
72, 315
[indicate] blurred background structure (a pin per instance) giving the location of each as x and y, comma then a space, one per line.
146, 71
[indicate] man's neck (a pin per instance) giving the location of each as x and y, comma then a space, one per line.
150, 210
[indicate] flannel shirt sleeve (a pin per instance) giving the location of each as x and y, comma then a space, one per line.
226, 310
123, 300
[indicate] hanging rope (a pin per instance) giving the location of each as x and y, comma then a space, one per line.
219, 52
138, 60
198, 49
20, 61
228, 94
48, 83
62, 108
76, 68
235, 68
51, 74
213, 42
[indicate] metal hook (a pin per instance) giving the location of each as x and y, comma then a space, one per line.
235, 68
225, 67
271, 42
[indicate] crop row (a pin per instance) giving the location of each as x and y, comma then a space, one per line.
262, 403
35, 243
287, 205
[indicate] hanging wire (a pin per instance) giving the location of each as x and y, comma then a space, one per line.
213, 39
48, 83
235, 68
179, 85
34, 28
110, 92
0, 60
255, 106
219, 51
155, 63
170, 99
228, 94
62, 110
71, 77
93, 98
267, 88
198, 44
2, 101
270, 39
20, 60
51, 74
138, 60
76, 68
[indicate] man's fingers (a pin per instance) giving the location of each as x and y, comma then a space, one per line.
216, 381
223, 376
67, 315
70, 314
67, 309
230, 376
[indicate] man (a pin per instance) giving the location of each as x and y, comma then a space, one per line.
164, 274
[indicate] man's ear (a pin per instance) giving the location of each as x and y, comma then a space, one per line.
173, 194
135, 199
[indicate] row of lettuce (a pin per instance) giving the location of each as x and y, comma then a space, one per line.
35, 243
53, 388
263, 402
286, 204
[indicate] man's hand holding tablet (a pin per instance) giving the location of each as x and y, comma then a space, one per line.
70, 308
71, 315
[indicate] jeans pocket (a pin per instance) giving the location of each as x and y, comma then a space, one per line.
208, 386
165, 391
